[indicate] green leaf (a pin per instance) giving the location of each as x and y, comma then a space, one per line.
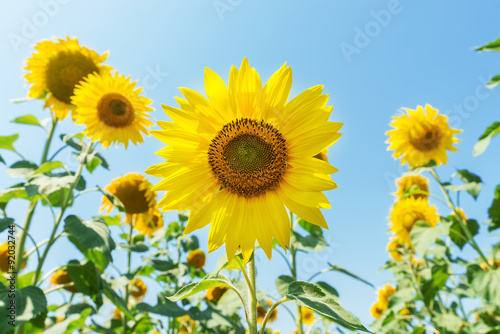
472, 182
495, 81
164, 307
5, 223
28, 120
48, 166
494, 211
457, 235
136, 247
16, 191
210, 281
422, 235
92, 238
93, 164
334, 267
485, 138
23, 169
439, 277
47, 184
237, 263
312, 296
329, 290
29, 303
6, 142
190, 243
118, 301
492, 46
308, 243
282, 283
109, 220
449, 321
68, 139
113, 199
86, 277
313, 230
2, 160
487, 285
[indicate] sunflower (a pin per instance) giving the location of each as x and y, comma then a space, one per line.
418, 184
238, 158
62, 277
117, 314
137, 289
394, 248
322, 155
421, 137
406, 213
148, 224
262, 311
377, 309
57, 68
196, 258
307, 315
493, 263
461, 213
136, 194
214, 294
4, 258
111, 109
383, 301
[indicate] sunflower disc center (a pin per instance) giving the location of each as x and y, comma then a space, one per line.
115, 110
64, 71
428, 140
248, 157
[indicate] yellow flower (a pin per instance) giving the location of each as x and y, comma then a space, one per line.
156, 332
494, 264
394, 248
117, 314
55, 70
461, 213
111, 109
322, 155
62, 277
406, 213
262, 311
4, 257
417, 262
214, 294
421, 137
136, 194
196, 258
385, 292
307, 315
187, 325
148, 226
137, 289
238, 158
404, 311
416, 181
377, 309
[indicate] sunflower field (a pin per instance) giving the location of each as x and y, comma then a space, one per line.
162, 171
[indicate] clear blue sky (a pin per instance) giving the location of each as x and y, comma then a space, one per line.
372, 56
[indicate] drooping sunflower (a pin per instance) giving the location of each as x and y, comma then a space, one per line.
307, 315
237, 158
136, 195
148, 224
196, 258
406, 213
137, 289
417, 182
62, 277
56, 69
111, 109
262, 311
421, 137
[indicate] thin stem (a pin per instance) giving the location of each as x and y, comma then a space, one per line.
49, 139
252, 323
311, 326
64, 206
28, 253
269, 312
129, 263
462, 224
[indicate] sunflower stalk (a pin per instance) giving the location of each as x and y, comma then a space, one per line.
460, 220
252, 317
269, 312
64, 206
129, 263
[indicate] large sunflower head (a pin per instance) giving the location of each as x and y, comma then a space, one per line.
421, 137
242, 155
57, 68
137, 289
111, 109
136, 195
407, 212
196, 258
418, 184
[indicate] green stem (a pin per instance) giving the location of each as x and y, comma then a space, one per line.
129, 264
269, 312
293, 254
462, 224
64, 206
252, 312
49, 139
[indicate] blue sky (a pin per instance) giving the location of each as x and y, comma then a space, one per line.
373, 57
